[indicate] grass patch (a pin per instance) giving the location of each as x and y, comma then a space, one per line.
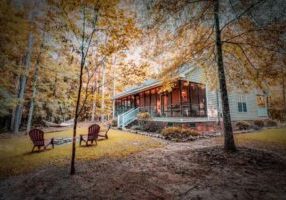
15, 156
277, 136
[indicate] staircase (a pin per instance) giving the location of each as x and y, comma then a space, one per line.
126, 118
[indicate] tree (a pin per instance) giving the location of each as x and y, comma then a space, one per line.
13, 42
218, 36
228, 135
34, 85
98, 21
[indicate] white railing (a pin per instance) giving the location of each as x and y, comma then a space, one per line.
262, 112
126, 118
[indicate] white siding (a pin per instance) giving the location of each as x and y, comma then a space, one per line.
251, 105
196, 75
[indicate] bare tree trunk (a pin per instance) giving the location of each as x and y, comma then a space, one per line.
17, 82
76, 119
113, 94
283, 89
102, 92
22, 86
229, 144
93, 105
113, 89
94, 100
34, 90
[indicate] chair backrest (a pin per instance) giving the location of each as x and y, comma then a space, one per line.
37, 136
93, 131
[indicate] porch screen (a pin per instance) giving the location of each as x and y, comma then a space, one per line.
158, 103
141, 95
176, 104
153, 102
197, 100
147, 101
185, 99
118, 106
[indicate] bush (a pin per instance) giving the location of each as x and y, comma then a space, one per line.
135, 127
259, 123
243, 125
151, 126
178, 132
278, 114
114, 123
270, 123
143, 116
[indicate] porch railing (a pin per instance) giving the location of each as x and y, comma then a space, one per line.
175, 111
126, 118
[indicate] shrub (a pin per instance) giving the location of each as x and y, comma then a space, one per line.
143, 116
178, 132
278, 114
259, 123
114, 123
135, 127
270, 123
151, 126
243, 125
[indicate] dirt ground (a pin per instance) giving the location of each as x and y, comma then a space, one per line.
195, 170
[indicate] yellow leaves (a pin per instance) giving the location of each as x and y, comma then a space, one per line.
167, 85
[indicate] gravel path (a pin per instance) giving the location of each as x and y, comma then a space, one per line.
195, 170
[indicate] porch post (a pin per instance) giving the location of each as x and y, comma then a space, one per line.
144, 102
120, 111
171, 105
156, 94
150, 108
190, 98
181, 99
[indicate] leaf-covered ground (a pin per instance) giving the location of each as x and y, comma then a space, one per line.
194, 170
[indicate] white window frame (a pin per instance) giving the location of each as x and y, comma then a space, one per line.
242, 99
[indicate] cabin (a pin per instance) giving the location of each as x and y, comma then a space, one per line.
191, 102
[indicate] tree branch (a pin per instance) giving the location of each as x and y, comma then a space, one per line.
242, 13
254, 45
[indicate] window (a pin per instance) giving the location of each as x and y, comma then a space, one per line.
261, 101
241, 103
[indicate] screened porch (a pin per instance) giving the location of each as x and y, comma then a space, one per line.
187, 99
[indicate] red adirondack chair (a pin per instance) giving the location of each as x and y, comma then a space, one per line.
92, 135
37, 137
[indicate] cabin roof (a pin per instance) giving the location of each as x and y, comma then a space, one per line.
152, 83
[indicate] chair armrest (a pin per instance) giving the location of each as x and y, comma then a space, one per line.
49, 141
